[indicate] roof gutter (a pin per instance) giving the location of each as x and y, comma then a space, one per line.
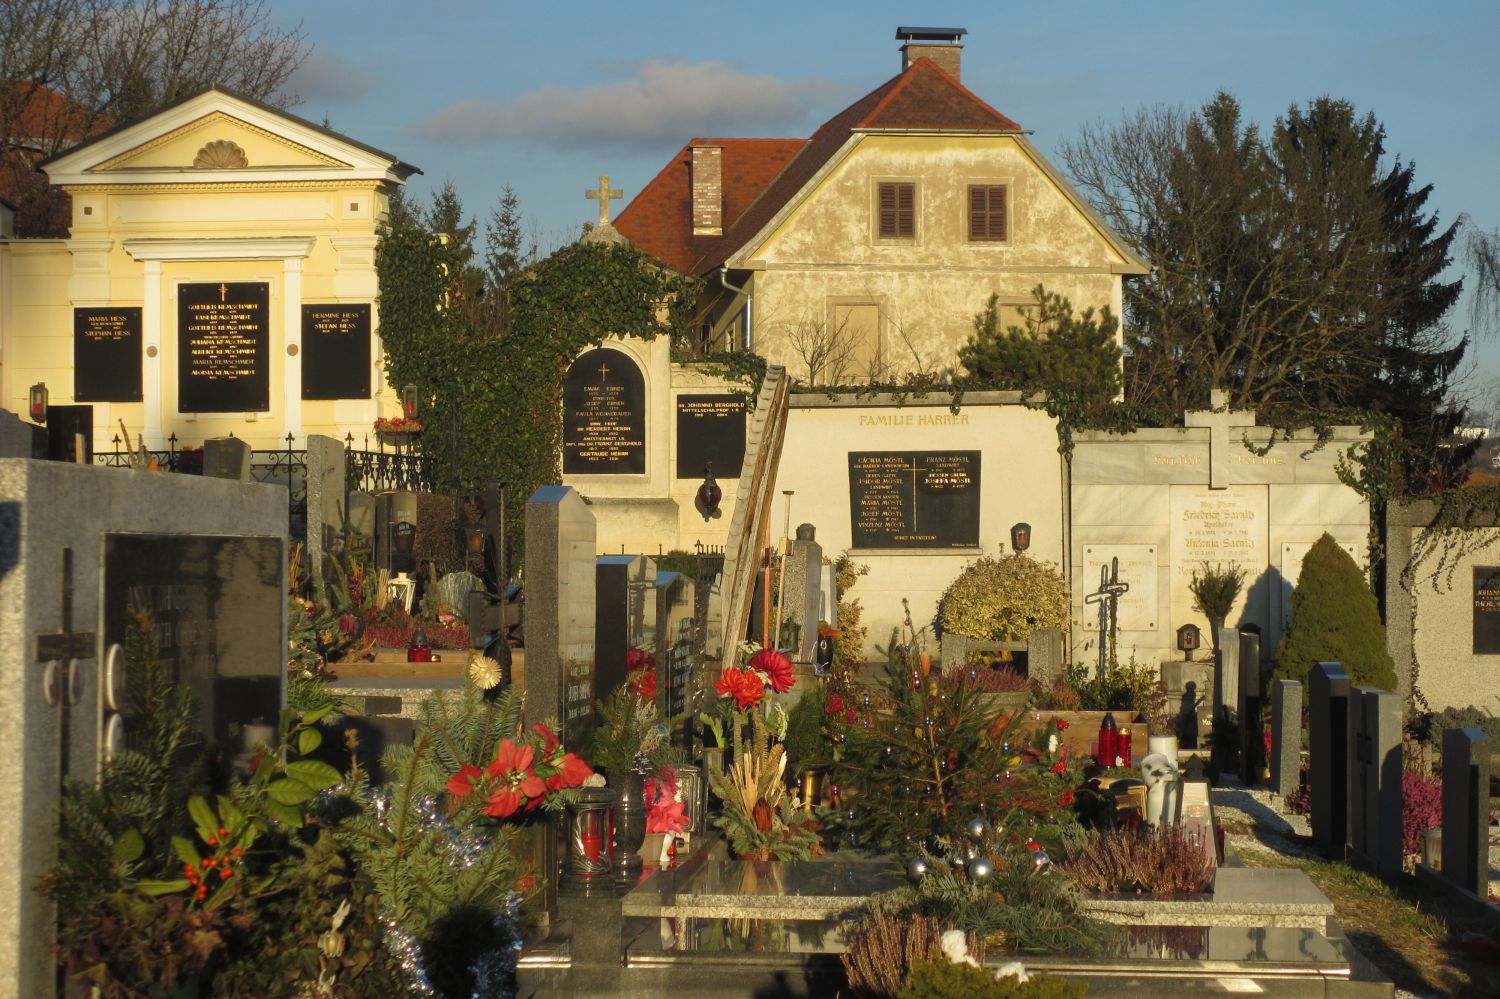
749, 302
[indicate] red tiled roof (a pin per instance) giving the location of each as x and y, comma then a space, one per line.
762, 175
40, 117
659, 219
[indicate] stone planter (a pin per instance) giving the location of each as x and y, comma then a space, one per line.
1241, 896
1008, 703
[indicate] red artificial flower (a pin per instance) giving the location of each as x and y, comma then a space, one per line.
1032, 844
548, 737
642, 684
1061, 724
1066, 798
502, 803
1059, 767
835, 705
850, 716
776, 669
638, 659
518, 781
571, 772
745, 686
461, 783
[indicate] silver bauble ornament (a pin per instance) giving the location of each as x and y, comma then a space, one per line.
916, 869
977, 829
980, 868
1041, 861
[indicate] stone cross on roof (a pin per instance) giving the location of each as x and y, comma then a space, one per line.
602, 194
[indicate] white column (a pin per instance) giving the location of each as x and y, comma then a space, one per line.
291, 332
151, 362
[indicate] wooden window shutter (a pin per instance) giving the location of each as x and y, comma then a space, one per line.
898, 211
987, 213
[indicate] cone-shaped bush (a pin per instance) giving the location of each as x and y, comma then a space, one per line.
1334, 619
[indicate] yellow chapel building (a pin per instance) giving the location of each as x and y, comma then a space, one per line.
219, 279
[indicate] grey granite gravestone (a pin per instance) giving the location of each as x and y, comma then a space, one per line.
624, 616
801, 596
674, 642
1044, 656
226, 458
1286, 737
325, 501
1328, 691
1375, 798
559, 610
1466, 814
60, 527
1252, 748
19, 439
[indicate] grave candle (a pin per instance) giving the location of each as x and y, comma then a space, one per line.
1122, 747
1108, 742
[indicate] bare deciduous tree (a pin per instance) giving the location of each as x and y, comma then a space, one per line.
826, 352
71, 69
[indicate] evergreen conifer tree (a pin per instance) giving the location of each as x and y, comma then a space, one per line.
1334, 619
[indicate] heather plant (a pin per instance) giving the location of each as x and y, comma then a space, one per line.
1421, 810
1157, 862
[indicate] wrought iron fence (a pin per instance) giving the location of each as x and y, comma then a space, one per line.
379, 470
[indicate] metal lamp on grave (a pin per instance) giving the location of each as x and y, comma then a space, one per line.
1194, 813
409, 402
37, 403
1189, 639
1020, 537
590, 860
709, 494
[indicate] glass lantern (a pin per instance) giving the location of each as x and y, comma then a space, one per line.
590, 842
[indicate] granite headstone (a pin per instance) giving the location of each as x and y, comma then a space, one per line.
1329, 689
1466, 812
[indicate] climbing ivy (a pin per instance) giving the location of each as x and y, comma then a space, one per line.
491, 388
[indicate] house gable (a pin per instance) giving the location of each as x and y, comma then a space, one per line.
219, 141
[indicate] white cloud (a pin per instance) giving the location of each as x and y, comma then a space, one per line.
662, 101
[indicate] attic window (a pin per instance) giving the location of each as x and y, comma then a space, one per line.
897, 206
220, 154
987, 221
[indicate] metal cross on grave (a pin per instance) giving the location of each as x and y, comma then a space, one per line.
602, 194
1111, 589
58, 653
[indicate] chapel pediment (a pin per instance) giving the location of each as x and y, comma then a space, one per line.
220, 137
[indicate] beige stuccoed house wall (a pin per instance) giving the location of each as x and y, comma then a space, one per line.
300, 215
824, 251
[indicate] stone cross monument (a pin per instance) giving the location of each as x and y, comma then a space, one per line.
602, 194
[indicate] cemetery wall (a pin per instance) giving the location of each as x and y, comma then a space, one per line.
1164, 501
911, 302
916, 491
638, 453
1442, 597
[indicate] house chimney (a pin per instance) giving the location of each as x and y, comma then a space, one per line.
941, 45
708, 190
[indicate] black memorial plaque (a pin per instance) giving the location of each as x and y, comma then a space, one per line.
223, 347
336, 351
604, 415
215, 606
107, 355
710, 428
1486, 610
914, 499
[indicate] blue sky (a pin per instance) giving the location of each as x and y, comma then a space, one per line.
547, 96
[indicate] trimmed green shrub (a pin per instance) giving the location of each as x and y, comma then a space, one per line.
1004, 599
1334, 619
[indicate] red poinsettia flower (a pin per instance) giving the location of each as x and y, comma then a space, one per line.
775, 668
1032, 844
512, 767
642, 684
1066, 798
745, 686
461, 783
502, 803
548, 737
1061, 724
571, 772
1059, 767
835, 705
850, 716
638, 659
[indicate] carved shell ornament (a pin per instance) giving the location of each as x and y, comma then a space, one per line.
220, 154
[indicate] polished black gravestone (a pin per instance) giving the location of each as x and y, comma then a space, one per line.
107, 354
1486, 610
710, 430
604, 415
625, 617
914, 499
209, 601
1328, 690
336, 351
1466, 812
65, 425
223, 348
